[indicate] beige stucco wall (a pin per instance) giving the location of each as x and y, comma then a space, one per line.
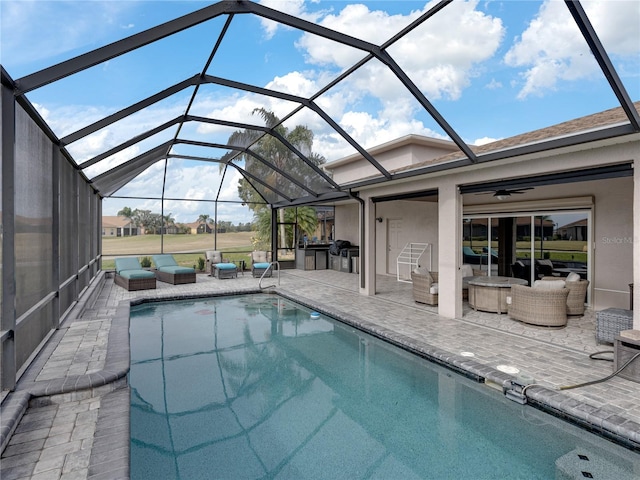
347, 223
419, 225
613, 242
346, 171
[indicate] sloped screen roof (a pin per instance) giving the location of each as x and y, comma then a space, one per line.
231, 96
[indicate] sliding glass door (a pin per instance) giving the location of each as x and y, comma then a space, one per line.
529, 245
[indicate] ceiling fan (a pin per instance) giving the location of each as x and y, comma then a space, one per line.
505, 193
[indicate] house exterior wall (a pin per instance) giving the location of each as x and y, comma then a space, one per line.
353, 169
612, 234
347, 223
420, 225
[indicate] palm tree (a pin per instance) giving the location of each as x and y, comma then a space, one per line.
204, 218
275, 152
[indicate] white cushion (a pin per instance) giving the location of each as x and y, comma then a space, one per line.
467, 270
434, 289
573, 277
549, 284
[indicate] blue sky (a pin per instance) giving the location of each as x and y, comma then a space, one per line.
493, 69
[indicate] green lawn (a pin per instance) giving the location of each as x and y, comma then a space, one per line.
186, 249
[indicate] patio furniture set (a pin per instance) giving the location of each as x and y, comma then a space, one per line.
547, 303
130, 275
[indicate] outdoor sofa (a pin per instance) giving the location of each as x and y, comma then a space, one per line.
167, 270
131, 276
577, 292
544, 304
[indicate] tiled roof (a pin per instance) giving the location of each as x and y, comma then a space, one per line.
115, 221
607, 118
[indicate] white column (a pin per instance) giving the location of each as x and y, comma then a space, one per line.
370, 248
636, 245
449, 251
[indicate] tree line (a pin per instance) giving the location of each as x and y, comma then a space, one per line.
153, 223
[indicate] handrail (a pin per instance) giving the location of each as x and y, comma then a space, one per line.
271, 264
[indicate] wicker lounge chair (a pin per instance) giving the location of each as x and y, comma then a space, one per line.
167, 270
538, 306
131, 276
425, 288
260, 263
577, 294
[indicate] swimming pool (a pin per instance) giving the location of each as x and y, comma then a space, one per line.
254, 386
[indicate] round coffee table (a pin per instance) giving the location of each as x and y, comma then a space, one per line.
489, 294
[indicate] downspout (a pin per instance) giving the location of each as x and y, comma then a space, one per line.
362, 230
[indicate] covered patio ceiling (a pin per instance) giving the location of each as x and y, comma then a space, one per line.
207, 135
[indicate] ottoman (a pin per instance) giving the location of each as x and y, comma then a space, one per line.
226, 270
257, 269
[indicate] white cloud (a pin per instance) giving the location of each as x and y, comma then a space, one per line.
553, 49
441, 57
493, 84
485, 140
296, 8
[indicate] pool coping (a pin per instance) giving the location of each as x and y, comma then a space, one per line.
110, 452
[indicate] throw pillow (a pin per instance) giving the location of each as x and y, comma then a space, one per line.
422, 270
549, 284
434, 289
573, 277
467, 271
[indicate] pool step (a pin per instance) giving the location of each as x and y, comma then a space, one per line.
581, 464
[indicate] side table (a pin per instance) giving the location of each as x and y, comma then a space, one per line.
610, 322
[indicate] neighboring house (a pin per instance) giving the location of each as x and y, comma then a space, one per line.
574, 231
593, 181
115, 226
200, 227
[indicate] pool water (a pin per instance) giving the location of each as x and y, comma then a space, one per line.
251, 387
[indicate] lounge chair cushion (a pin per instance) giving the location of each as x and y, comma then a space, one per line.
128, 263
168, 264
135, 274
176, 270
259, 256
164, 261
226, 266
213, 256
261, 265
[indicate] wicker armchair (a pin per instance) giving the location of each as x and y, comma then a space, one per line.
577, 295
422, 288
213, 257
538, 306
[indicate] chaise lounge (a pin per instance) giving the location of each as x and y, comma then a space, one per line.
131, 276
167, 270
